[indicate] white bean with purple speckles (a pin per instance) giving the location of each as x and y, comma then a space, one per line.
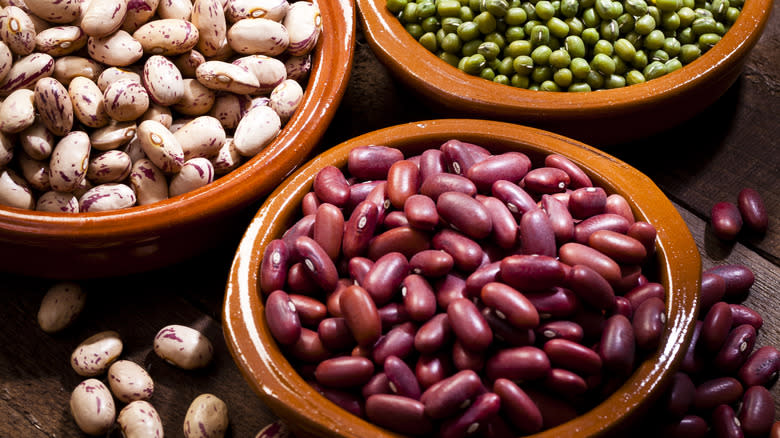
14, 190
96, 353
92, 406
54, 106
229, 108
258, 36
208, 16
236, 10
139, 419
60, 306
109, 166
57, 202
130, 381
177, 9
200, 137
159, 113
113, 74
224, 76
197, 100
6, 60
17, 111
60, 40
36, 172
126, 100
113, 135
258, 128
207, 417
304, 25
17, 30
88, 104
103, 17
162, 80
183, 347
139, 12
170, 36
286, 98
69, 160
105, 197
270, 72
227, 158
277, 429
69, 66
149, 182
37, 141
118, 49
6, 149
196, 173
63, 11
160, 146
298, 67
26, 71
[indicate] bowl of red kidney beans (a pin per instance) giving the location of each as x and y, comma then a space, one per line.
462, 277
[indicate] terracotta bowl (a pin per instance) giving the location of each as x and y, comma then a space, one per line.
272, 377
602, 118
146, 237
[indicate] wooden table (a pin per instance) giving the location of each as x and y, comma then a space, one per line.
732, 145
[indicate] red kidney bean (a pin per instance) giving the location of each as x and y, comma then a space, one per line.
617, 345
331, 186
436, 184
716, 326
484, 408
405, 240
303, 227
505, 227
649, 322
377, 384
578, 177
689, 426
335, 335
630, 276
384, 278
465, 214
717, 391
421, 213
619, 247
644, 232
692, 361
447, 397
641, 293
736, 349
518, 363
274, 266
372, 161
392, 314
398, 413
591, 320
496, 427
361, 351
510, 166
468, 325
347, 400
517, 200
358, 193
460, 156
360, 313
466, 253
401, 378
587, 201
332, 300
344, 371
577, 254
546, 180
617, 204
623, 307
449, 288
505, 332
560, 218
359, 229
310, 203
591, 287
556, 302
713, 288
725, 423
300, 281
725, 220
509, 304
775, 433
431, 163
403, 181
761, 367
318, 265
604, 221
480, 277
565, 382
433, 368
358, 267
536, 234
572, 356
532, 273
434, 334
282, 318
518, 407
399, 341
559, 329
752, 209
679, 397
310, 310
757, 412
738, 278
395, 219
308, 347
745, 315
379, 197
431, 263
465, 359
419, 298
555, 410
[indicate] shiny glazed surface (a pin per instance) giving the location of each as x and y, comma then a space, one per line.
90, 245
600, 118
272, 377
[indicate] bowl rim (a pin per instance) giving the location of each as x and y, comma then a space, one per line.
285, 153
271, 376
391, 43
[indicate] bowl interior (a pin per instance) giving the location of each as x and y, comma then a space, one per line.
140, 236
271, 375
621, 114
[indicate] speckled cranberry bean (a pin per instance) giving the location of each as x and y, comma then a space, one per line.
92, 407
69, 161
17, 111
207, 417
57, 202
95, 354
129, 381
259, 36
108, 196
139, 419
26, 71
168, 36
194, 173
60, 306
148, 181
183, 347
119, 49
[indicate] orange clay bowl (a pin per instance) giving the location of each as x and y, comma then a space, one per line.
308, 413
601, 118
140, 238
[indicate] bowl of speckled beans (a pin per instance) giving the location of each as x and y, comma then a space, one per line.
609, 71
450, 278
129, 141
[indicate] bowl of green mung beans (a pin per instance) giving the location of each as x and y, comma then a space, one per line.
601, 71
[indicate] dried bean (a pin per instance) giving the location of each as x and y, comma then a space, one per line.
752, 210
206, 417
183, 347
129, 381
92, 406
